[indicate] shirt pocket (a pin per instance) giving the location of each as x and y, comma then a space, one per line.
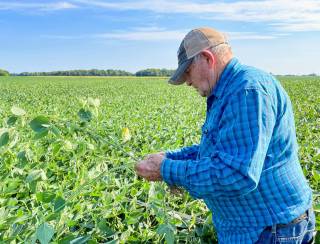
208, 139
211, 128
210, 131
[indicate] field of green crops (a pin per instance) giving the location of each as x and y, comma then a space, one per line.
68, 146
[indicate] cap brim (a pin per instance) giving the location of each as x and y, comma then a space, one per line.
176, 78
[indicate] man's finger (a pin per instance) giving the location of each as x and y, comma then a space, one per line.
174, 190
140, 167
149, 156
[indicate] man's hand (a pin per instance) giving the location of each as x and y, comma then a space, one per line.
177, 191
149, 168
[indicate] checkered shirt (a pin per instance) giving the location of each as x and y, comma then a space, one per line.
246, 166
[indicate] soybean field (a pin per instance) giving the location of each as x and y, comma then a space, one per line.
68, 146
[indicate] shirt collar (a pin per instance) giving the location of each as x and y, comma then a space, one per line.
225, 77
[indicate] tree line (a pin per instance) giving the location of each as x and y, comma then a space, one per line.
107, 72
155, 72
94, 72
4, 72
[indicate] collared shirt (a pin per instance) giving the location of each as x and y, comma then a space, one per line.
246, 166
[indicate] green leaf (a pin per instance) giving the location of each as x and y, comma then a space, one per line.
66, 240
18, 111
40, 124
55, 130
315, 175
53, 216
45, 197
80, 240
94, 102
12, 120
33, 186
33, 239
317, 238
168, 231
103, 226
59, 204
4, 138
85, 115
36, 175
44, 233
23, 157
112, 242
41, 134
56, 148
68, 145
316, 208
12, 186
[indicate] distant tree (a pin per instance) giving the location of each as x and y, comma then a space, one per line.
91, 72
96, 72
4, 72
155, 72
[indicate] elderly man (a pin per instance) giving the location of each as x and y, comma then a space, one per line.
246, 166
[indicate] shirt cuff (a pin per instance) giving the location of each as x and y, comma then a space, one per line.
168, 154
173, 154
173, 172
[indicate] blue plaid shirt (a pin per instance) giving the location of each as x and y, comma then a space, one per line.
246, 167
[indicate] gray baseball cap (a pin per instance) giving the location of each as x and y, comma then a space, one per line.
193, 43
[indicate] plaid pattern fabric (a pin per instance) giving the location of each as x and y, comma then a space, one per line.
246, 166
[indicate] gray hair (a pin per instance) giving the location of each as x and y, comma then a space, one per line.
220, 51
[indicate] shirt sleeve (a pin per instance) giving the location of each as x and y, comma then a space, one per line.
236, 160
185, 153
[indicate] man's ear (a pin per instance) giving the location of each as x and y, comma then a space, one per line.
209, 57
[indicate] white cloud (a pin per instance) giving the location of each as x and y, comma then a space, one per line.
250, 36
298, 27
158, 34
179, 35
286, 14
138, 34
145, 35
281, 15
36, 6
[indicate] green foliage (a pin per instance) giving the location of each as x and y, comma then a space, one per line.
4, 72
155, 72
85, 115
44, 233
40, 124
4, 137
168, 231
96, 72
68, 146
91, 72
17, 111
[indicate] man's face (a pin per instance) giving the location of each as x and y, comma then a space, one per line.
198, 76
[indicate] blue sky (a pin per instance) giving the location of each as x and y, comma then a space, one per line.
279, 36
